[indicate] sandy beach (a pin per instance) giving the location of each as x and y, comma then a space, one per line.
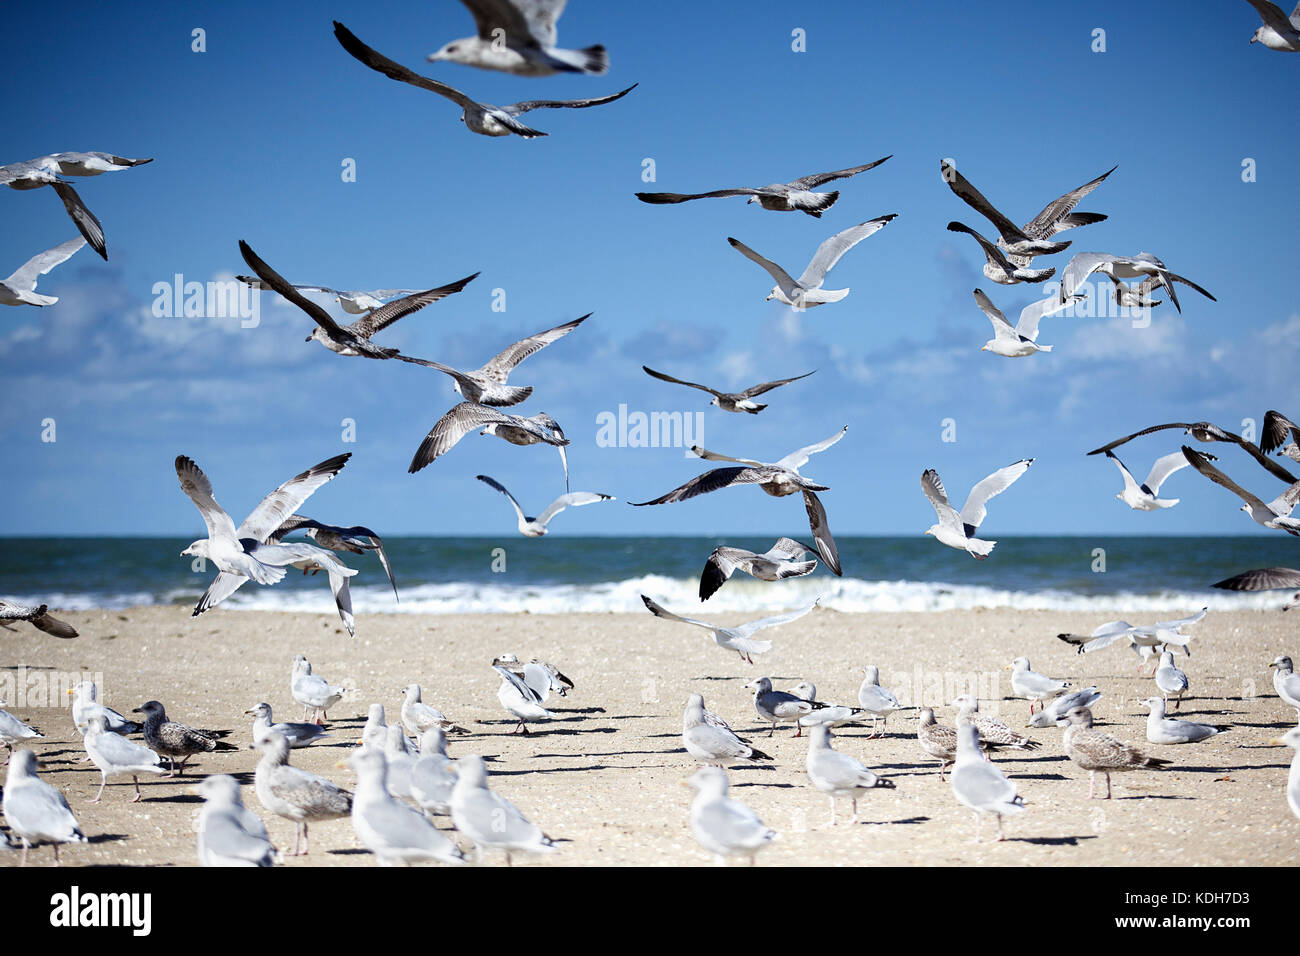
604, 778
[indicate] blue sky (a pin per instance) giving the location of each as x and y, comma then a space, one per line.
250, 137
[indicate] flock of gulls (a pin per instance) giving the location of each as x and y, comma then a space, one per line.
406, 784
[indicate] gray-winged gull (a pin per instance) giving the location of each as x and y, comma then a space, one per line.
229, 833
1033, 686
295, 794
723, 826
978, 784
879, 701
1274, 514
535, 527
298, 734
1098, 752
1144, 496
796, 195
777, 563
488, 819
710, 743
519, 37
1278, 32
20, 287
390, 830
1292, 739
830, 715
739, 638
433, 775
115, 756
35, 811
1170, 679
520, 699
838, 774
1165, 730
311, 690
957, 529
85, 703
997, 266
774, 706
1285, 681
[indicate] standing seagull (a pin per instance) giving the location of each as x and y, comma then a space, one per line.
778, 197
392, 831
837, 774
295, 794
13, 730
877, 700
712, 741
1095, 751
998, 267
351, 339
467, 416
1011, 341
483, 118
531, 527
519, 37
1143, 497
1170, 679
520, 699
777, 563
35, 811
807, 292
118, 757
85, 704
730, 401
778, 479
312, 691
778, 705
1030, 684
1275, 514
488, 819
978, 784
1165, 730
419, 718
36, 617
20, 288
229, 834
488, 385
1292, 739
1286, 682
46, 170
721, 825
1278, 32
298, 734
936, 739
738, 638
957, 530
172, 739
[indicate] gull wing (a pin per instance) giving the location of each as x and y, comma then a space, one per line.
818, 179
528, 23
493, 483
573, 499
1272, 16
276, 507
677, 381
713, 480
1201, 464
991, 252
658, 611
719, 568
222, 586
527, 106
199, 489
972, 197
41, 263
1001, 327
973, 511
1261, 579
394, 70
821, 532
1129, 481
798, 458
664, 199
715, 456
788, 548
834, 248
1082, 265
1164, 467
1043, 226
275, 281
83, 217
1286, 501
519, 684
932, 485
1276, 428
1219, 434
779, 275
744, 630
381, 318
501, 364
458, 422
768, 386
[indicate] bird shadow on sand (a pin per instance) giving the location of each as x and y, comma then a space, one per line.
108, 838
175, 798
887, 823
1052, 841
577, 710
614, 753
1037, 776
348, 851
1257, 766
585, 768
756, 783
1154, 796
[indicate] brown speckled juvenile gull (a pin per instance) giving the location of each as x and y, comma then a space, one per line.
1099, 752
936, 739
994, 734
296, 794
171, 739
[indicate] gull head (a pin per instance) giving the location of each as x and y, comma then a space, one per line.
489, 429
707, 780
759, 685
456, 51
933, 529
774, 294
198, 549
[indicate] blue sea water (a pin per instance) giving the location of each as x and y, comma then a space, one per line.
602, 574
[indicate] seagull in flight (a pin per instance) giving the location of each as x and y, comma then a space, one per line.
36, 617
1209, 432
1143, 265
531, 527
779, 197
997, 266
1275, 514
467, 416
957, 530
738, 638
730, 401
1275, 431
1144, 497
519, 37
481, 118
1265, 579
20, 287
352, 301
488, 385
807, 291
777, 563
1278, 32
1011, 341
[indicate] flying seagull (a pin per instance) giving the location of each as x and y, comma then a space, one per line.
957, 530
488, 385
807, 291
730, 401
1274, 514
467, 416
1208, 432
481, 118
779, 197
355, 540
777, 563
519, 37
531, 527
1157, 635
777, 479
1278, 32
1022, 243
738, 638
1143, 497
351, 339
1143, 265
1011, 341
20, 287
36, 617
1265, 579
46, 170
353, 301
1275, 431
997, 266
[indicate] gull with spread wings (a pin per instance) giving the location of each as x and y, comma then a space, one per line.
1209, 432
957, 530
1275, 514
467, 416
1143, 265
531, 527
730, 401
519, 37
738, 638
1279, 32
997, 266
1144, 497
20, 287
779, 197
777, 563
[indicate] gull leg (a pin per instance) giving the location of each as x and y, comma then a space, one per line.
103, 781
23, 860
138, 795
1108, 786
1001, 837
56, 855
855, 811
833, 819
1092, 779
305, 838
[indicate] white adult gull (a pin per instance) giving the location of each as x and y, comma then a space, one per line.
482, 118
713, 742
519, 37
312, 691
115, 756
978, 784
352, 301
392, 831
13, 731
878, 701
793, 196
1165, 730
741, 401
777, 563
543, 677
1170, 679
20, 287
957, 529
85, 704
738, 638
1151, 636
806, 291
418, 717
1292, 739
467, 416
1275, 514
1053, 713
1145, 496
433, 774
489, 820
1033, 686
535, 527
838, 774
1285, 681
298, 734
520, 699
1210, 432
1143, 265
35, 811
774, 706
1279, 32
1011, 341
723, 826
229, 834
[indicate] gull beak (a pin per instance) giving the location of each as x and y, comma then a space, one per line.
927, 531
69, 691
1274, 664
1276, 741
1007, 668
984, 348
250, 713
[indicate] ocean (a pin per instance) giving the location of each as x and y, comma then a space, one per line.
607, 574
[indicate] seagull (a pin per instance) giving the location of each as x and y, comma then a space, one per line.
714, 743
1292, 739
542, 677
36, 617
433, 775
1278, 32
171, 739
1011, 341
489, 820
519, 37
352, 301
876, 700
482, 118
35, 811
1285, 681
723, 826
1164, 730
1023, 243
775, 564
239, 551
778, 705
1275, 514
46, 170
531, 527
807, 291
1277, 427
827, 715
1154, 635
957, 530
467, 416
1142, 265
298, 735
229, 834
1170, 679
1143, 497
116, 756
730, 401
936, 739
994, 734
295, 794
1264, 579
13, 730
419, 718
998, 267
1209, 432
778, 197
738, 638
520, 699
85, 704
777, 479
398, 762
312, 691
1096, 752
354, 540
837, 774
1053, 714
20, 287
1032, 685
978, 784
351, 339
488, 385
